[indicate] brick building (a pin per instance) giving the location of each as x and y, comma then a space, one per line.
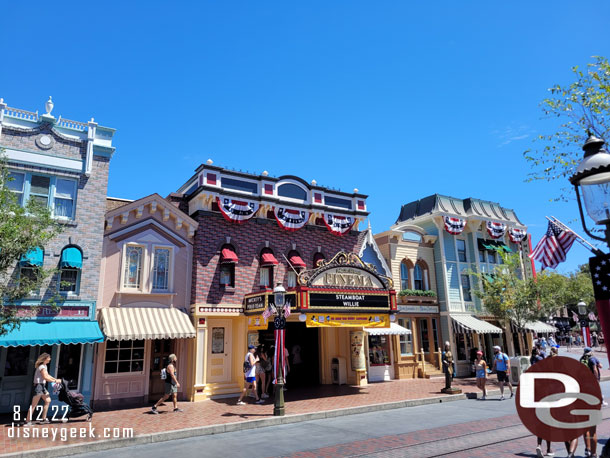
64, 165
256, 231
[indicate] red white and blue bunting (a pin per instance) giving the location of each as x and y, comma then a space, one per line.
516, 235
237, 211
496, 230
455, 226
338, 224
290, 219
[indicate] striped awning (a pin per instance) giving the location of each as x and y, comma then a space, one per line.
394, 330
135, 323
535, 326
466, 324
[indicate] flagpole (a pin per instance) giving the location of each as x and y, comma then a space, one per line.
290, 264
580, 239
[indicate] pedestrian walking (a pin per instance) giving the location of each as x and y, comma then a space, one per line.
170, 374
250, 376
594, 339
480, 367
590, 435
502, 367
533, 360
261, 372
41, 377
570, 341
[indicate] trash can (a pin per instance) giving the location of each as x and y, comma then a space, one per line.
338, 370
518, 365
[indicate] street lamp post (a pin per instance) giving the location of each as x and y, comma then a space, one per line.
279, 299
593, 177
583, 320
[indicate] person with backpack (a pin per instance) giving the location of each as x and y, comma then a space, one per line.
250, 376
502, 367
170, 375
590, 435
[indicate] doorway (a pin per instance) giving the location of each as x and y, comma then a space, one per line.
160, 351
424, 335
16, 372
219, 344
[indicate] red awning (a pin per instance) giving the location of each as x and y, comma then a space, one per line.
296, 261
228, 256
267, 259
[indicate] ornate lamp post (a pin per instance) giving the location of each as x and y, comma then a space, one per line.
593, 177
583, 319
279, 298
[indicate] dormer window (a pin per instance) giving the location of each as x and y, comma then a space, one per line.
267, 263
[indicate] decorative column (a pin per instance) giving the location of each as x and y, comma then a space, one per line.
90, 139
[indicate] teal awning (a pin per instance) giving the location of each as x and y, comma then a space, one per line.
52, 333
71, 257
33, 258
493, 245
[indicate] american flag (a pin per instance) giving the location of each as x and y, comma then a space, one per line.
553, 246
575, 317
286, 309
592, 316
267, 313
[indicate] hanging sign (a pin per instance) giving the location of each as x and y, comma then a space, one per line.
237, 211
516, 235
455, 226
334, 320
496, 230
257, 322
290, 219
338, 224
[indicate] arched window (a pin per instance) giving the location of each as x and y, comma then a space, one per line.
404, 276
317, 258
296, 265
292, 191
411, 236
268, 262
228, 259
418, 278
70, 264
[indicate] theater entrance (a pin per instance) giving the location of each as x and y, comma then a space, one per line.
303, 348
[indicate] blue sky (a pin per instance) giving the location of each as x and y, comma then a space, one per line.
398, 99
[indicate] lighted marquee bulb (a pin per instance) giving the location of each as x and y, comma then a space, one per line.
302, 317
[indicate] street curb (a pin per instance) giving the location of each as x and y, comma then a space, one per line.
100, 445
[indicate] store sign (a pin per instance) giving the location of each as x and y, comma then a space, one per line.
257, 322
333, 320
46, 311
341, 300
255, 302
418, 308
347, 277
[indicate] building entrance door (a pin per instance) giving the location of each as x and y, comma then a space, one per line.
219, 343
16, 376
160, 351
424, 335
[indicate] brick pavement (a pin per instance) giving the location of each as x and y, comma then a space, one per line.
222, 411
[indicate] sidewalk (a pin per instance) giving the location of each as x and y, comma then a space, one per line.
223, 415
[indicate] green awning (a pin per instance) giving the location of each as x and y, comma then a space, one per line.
33, 258
71, 257
493, 245
501, 246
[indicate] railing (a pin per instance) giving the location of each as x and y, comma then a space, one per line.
21, 114
69, 124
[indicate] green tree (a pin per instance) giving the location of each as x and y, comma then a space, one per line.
581, 106
508, 296
21, 229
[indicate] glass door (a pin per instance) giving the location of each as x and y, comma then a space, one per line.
16, 375
424, 335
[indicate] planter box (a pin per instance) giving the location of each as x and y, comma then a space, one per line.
417, 300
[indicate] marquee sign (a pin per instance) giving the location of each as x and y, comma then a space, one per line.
290, 219
236, 210
344, 300
333, 320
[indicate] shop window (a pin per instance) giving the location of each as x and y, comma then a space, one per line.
124, 356
404, 276
406, 341
132, 274
461, 249
17, 359
492, 256
418, 278
379, 350
161, 269
466, 287
69, 365
266, 276
227, 275
69, 280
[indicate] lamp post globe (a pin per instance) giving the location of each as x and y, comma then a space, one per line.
582, 308
592, 176
279, 296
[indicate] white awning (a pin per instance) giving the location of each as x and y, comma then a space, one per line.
393, 330
467, 324
540, 327
135, 323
